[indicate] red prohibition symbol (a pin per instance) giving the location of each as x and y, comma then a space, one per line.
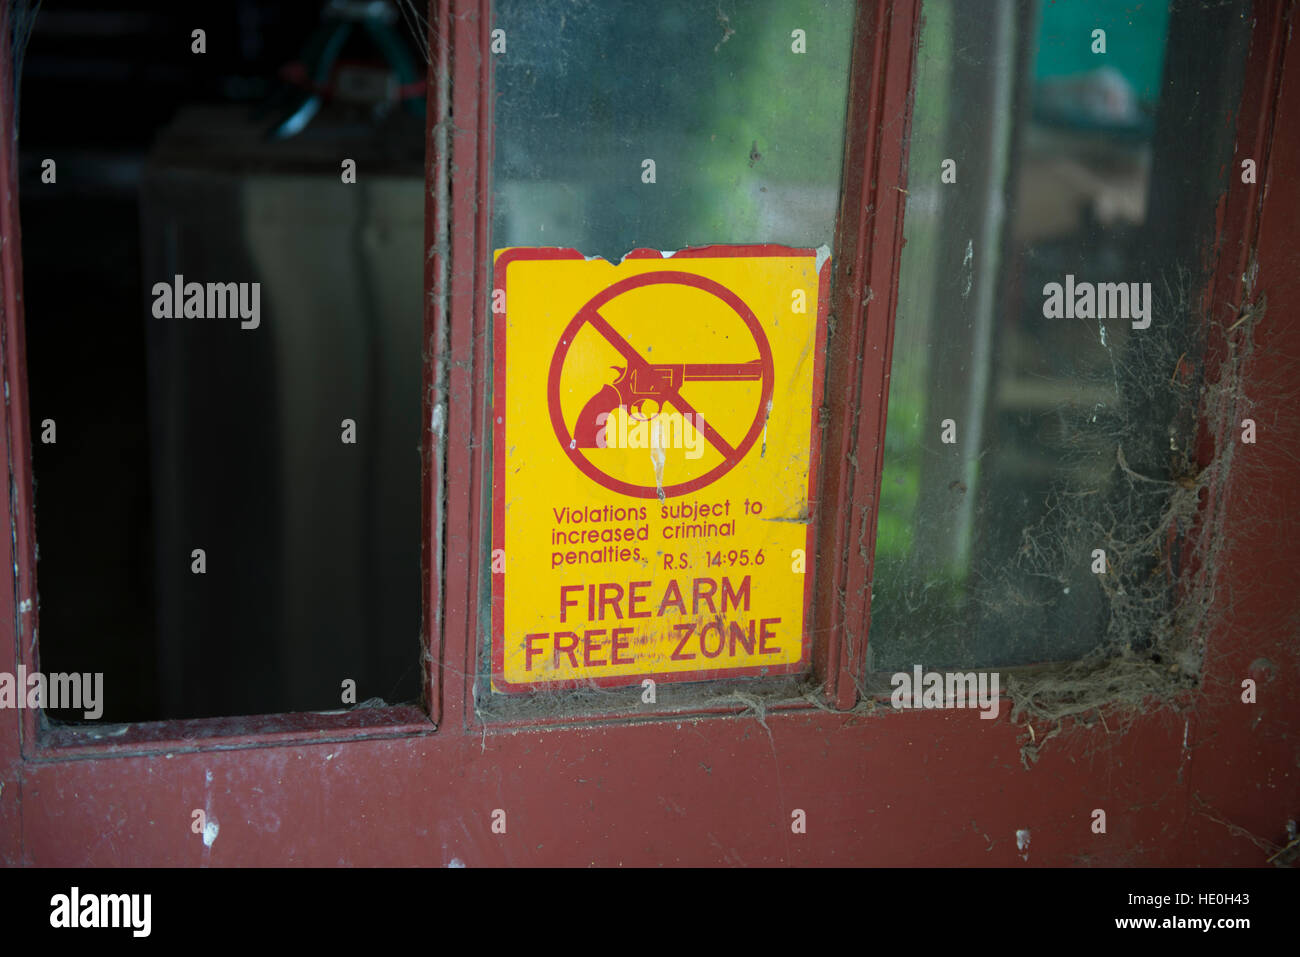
662, 381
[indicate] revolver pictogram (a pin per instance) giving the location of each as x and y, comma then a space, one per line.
643, 396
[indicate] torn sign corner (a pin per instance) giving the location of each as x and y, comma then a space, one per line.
823, 254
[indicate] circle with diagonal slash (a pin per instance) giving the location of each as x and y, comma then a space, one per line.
590, 314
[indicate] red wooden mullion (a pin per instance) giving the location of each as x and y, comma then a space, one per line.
868, 251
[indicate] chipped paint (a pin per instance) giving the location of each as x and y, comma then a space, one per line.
1022, 843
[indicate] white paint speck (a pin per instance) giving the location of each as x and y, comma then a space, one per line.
1022, 842
207, 776
210, 831
456, 862
25, 605
436, 420
968, 274
763, 452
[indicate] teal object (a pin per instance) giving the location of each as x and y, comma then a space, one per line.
1135, 41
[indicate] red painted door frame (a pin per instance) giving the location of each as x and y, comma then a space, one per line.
420, 785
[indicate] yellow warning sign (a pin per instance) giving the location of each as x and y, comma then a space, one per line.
654, 452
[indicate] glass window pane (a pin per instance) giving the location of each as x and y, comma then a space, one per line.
1065, 165
746, 135
625, 125
173, 434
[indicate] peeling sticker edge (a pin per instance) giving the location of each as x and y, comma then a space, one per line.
822, 252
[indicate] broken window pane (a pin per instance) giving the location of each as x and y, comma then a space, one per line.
1046, 152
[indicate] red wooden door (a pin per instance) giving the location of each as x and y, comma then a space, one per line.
713, 783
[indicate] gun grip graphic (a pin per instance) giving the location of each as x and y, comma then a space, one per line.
586, 433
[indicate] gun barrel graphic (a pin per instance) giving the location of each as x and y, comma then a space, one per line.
632, 391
